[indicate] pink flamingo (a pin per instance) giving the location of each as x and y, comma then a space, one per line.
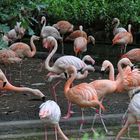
133, 112
84, 95
50, 114
9, 57
63, 27
133, 55
106, 86
63, 62
116, 23
80, 44
76, 33
123, 38
10, 87
23, 49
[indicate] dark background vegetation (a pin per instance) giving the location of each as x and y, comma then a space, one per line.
92, 14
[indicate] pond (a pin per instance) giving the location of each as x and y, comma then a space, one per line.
19, 111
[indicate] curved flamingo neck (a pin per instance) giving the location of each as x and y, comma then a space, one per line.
111, 72
91, 39
70, 81
117, 24
44, 24
33, 47
61, 132
120, 70
129, 28
50, 56
10, 87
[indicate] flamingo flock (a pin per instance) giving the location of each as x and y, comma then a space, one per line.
71, 68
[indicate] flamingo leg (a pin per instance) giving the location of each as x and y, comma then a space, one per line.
69, 112
100, 115
45, 132
123, 130
139, 127
125, 48
55, 128
54, 91
124, 116
82, 121
62, 44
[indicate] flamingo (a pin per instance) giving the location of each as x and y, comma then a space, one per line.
51, 76
76, 33
50, 114
63, 62
106, 86
9, 57
80, 44
133, 112
123, 38
63, 27
10, 87
14, 34
83, 95
49, 31
133, 55
116, 23
24, 50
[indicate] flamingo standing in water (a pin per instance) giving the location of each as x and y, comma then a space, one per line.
80, 44
133, 112
117, 29
76, 33
50, 114
63, 27
84, 95
123, 38
133, 55
10, 87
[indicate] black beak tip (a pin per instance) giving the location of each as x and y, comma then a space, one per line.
44, 98
4, 84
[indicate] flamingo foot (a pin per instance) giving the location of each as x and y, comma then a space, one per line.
68, 115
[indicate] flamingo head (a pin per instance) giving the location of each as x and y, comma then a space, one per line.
105, 65
89, 59
115, 21
44, 113
43, 19
48, 43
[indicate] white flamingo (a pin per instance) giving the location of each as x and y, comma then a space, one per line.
116, 30
50, 114
133, 112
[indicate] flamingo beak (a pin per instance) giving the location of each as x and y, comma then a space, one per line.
4, 84
77, 51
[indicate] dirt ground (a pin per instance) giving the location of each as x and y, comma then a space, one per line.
24, 106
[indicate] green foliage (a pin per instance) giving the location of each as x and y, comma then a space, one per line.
78, 12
